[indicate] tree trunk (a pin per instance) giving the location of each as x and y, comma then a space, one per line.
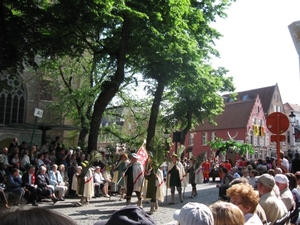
154, 112
109, 89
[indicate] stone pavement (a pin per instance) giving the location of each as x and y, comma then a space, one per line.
102, 208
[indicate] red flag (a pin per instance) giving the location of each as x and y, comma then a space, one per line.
143, 155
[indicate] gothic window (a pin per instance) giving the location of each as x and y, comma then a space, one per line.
12, 100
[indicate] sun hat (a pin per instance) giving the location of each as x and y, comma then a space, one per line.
194, 213
267, 180
281, 179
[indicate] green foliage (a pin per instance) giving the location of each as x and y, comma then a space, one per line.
224, 146
159, 150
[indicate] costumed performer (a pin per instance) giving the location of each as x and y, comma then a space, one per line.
177, 178
134, 174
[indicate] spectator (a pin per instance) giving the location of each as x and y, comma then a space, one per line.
100, 183
296, 195
14, 184
56, 180
227, 178
273, 206
296, 163
35, 216
44, 186
194, 213
278, 170
3, 197
243, 196
284, 163
225, 213
25, 160
46, 160
23, 147
29, 182
234, 172
44, 147
286, 195
3, 173
64, 174
40, 160
14, 144
128, 215
4, 156
33, 155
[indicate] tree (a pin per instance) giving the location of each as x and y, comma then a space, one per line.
223, 146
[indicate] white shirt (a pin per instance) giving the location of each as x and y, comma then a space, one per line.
98, 178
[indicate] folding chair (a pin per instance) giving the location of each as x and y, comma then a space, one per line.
283, 220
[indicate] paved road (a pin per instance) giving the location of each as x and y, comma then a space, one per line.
102, 208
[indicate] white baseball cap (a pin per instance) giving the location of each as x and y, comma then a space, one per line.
281, 179
194, 213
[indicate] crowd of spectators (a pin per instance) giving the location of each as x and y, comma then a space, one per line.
33, 173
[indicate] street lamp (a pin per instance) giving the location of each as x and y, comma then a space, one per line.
292, 117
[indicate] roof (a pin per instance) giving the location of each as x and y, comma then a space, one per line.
265, 95
43, 126
291, 107
235, 115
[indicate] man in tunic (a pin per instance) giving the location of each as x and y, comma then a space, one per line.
195, 175
177, 177
118, 173
135, 177
206, 170
155, 181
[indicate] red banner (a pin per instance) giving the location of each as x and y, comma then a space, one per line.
143, 155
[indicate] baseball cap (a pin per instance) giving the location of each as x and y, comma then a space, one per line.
267, 180
281, 178
194, 213
129, 215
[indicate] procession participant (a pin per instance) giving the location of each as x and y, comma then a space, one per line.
134, 174
155, 180
177, 177
195, 175
206, 170
85, 184
118, 174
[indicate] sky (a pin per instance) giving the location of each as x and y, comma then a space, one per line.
257, 47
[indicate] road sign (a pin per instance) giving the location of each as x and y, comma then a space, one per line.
277, 123
274, 137
38, 112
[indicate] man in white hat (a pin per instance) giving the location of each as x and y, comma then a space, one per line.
285, 193
135, 178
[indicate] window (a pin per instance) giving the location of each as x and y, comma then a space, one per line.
12, 100
213, 136
191, 139
46, 90
254, 120
251, 137
204, 138
245, 97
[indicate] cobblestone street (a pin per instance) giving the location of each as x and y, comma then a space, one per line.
102, 208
